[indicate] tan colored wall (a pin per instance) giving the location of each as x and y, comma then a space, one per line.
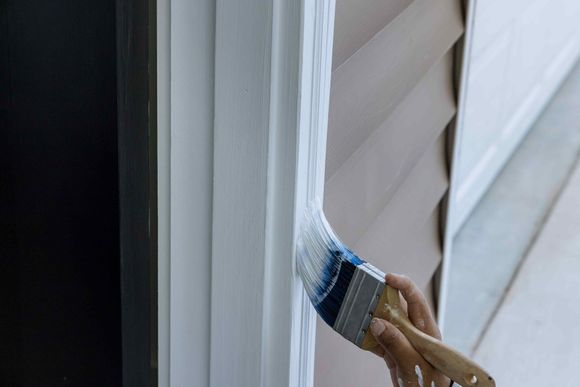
392, 100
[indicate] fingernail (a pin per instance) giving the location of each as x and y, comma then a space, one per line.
377, 327
390, 275
420, 324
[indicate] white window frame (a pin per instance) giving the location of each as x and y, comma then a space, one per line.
272, 85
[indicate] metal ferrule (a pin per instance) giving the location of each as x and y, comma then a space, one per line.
360, 301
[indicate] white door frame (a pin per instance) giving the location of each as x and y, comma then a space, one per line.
272, 85
185, 88
272, 71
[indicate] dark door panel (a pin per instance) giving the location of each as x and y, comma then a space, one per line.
60, 309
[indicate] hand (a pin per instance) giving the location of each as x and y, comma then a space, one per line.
406, 365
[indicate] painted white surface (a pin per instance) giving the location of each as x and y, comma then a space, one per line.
232, 310
533, 339
242, 87
499, 231
271, 104
449, 210
520, 53
314, 97
185, 138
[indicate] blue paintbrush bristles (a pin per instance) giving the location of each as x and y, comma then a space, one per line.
325, 264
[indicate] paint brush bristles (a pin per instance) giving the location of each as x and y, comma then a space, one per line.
318, 262
325, 264
347, 292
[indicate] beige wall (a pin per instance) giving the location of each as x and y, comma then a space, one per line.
392, 99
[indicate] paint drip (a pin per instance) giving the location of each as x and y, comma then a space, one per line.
419, 376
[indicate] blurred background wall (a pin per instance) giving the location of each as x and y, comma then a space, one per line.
393, 100
521, 52
392, 103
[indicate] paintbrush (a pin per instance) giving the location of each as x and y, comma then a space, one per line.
348, 292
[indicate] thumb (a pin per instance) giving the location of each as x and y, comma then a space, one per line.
393, 341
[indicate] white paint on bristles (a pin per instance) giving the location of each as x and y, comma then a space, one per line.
432, 384
401, 383
419, 376
313, 246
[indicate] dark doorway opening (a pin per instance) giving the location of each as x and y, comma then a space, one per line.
77, 245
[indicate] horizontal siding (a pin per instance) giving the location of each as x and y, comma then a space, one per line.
368, 87
397, 224
392, 98
420, 258
365, 183
356, 22
344, 364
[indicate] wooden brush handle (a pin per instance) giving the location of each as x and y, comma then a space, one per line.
441, 356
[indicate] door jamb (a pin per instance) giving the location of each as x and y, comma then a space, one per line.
137, 130
271, 110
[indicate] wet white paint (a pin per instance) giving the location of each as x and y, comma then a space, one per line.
432, 384
419, 376
401, 383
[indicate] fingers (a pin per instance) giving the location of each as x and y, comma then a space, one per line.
406, 365
417, 306
395, 346
391, 364
378, 350
392, 340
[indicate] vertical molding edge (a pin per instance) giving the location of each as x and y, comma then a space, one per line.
448, 237
281, 119
317, 35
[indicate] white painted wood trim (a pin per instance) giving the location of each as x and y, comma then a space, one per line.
273, 65
185, 69
449, 216
317, 36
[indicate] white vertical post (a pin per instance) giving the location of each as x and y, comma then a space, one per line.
315, 75
273, 65
449, 217
185, 152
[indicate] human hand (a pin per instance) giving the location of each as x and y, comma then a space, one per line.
406, 365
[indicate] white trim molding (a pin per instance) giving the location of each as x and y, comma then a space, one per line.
470, 6
185, 67
315, 75
272, 84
